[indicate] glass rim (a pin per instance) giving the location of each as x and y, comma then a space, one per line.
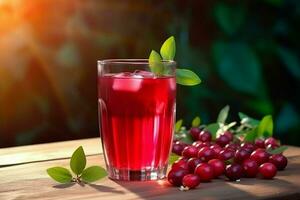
132, 61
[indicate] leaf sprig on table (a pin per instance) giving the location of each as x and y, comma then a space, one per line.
78, 167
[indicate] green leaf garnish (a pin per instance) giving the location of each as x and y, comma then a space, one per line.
168, 49
196, 122
187, 77
173, 157
178, 125
78, 161
265, 127
155, 63
93, 173
277, 150
245, 119
60, 174
223, 114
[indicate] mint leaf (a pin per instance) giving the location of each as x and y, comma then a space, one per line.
187, 77
178, 125
251, 135
60, 174
168, 49
186, 138
213, 128
245, 119
155, 63
93, 173
277, 150
223, 115
265, 127
196, 122
173, 157
78, 161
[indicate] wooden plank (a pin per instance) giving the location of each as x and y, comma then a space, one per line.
30, 181
49, 151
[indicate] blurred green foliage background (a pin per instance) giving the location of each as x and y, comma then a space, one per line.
246, 52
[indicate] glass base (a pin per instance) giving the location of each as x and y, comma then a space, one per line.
137, 175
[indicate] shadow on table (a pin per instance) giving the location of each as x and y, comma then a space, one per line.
100, 188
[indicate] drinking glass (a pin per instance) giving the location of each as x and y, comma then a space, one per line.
136, 117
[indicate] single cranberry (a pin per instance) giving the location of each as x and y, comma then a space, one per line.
205, 136
216, 148
195, 131
200, 144
218, 167
206, 154
241, 155
250, 168
260, 143
222, 140
279, 160
248, 146
272, 146
228, 134
260, 156
226, 154
232, 146
175, 176
177, 148
191, 181
205, 172
271, 141
180, 164
234, 172
192, 164
267, 170
190, 152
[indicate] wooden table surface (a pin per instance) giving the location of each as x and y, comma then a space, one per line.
23, 176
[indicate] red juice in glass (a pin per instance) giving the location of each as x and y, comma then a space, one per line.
137, 113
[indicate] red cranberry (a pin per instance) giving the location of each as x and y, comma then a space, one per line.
222, 140
260, 156
205, 172
200, 144
206, 154
234, 172
190, 152
267, 170
248, 146
175, 176
271, 141
218, 167
241, 155
195, 131
180, 164
232, 146
177, 148
272, 146
279, 160
260, 143
192, 164
228, 134
205, 136
226, 154
191, 181
216, 148
250, 168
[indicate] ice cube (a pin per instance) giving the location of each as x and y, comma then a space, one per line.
127, 82
145, 74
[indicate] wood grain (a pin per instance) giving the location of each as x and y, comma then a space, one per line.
30, 181
49, 151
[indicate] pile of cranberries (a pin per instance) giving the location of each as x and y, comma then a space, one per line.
205, 160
